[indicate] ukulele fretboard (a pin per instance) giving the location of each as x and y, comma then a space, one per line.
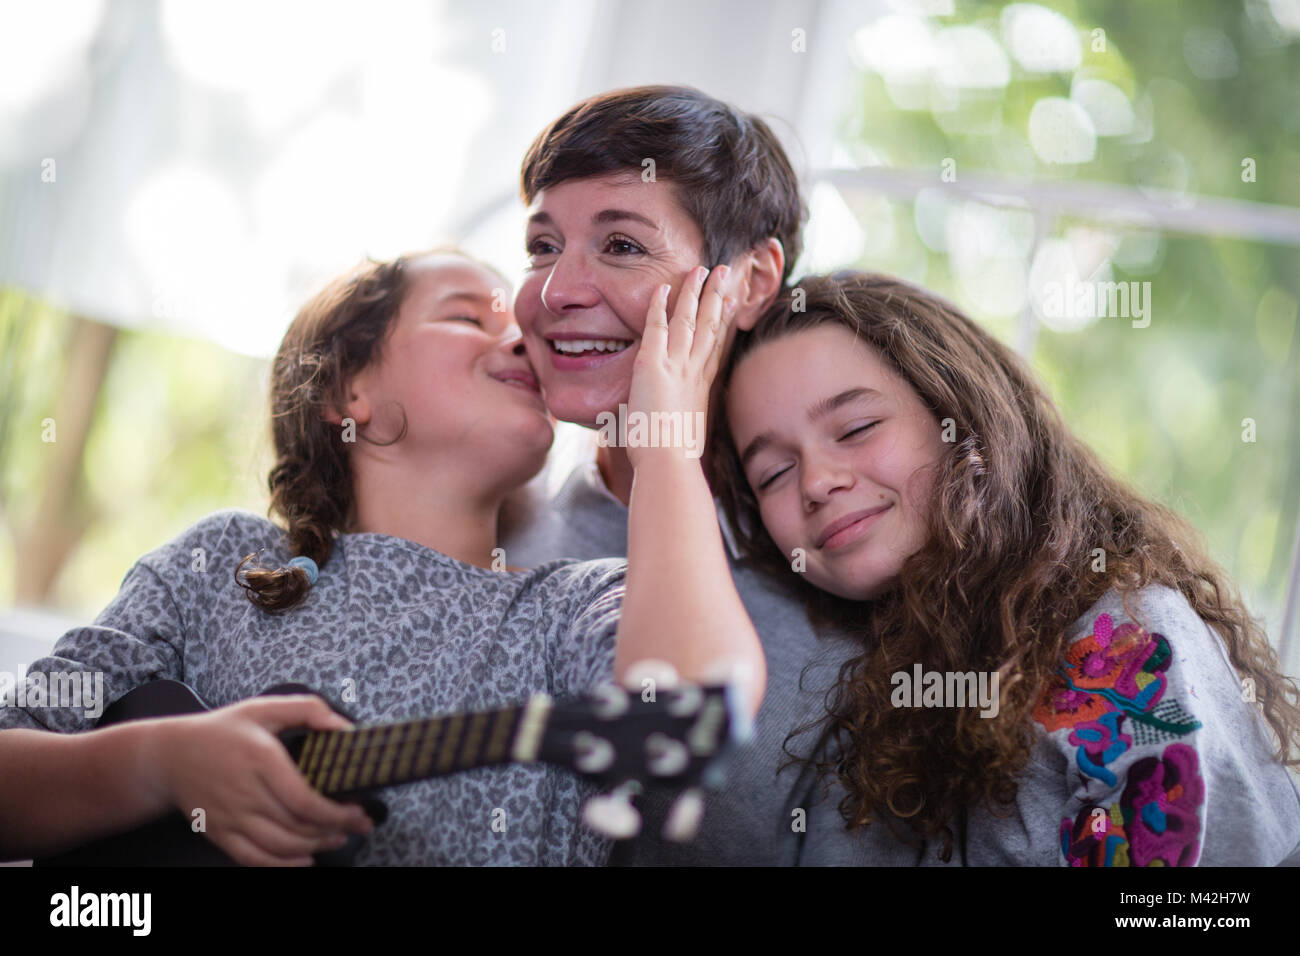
341, 761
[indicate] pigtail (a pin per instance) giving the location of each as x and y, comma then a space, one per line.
337, 334
284, 588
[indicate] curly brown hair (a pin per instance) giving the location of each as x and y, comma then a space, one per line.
337, 334
1018, 506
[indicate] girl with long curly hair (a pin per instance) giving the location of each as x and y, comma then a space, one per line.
1045, 666
404, 410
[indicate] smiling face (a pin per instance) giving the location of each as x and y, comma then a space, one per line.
598, 248
836, 447
457, 368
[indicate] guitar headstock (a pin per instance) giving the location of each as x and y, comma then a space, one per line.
677, 738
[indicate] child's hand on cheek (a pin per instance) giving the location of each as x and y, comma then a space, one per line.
674, 369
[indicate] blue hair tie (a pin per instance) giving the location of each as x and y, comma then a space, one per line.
308, 565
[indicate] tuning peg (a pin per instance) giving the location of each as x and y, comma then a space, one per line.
665, 757
592, 754
705, 735
609, 701
686, 700
684, 818
739, 680
613, 814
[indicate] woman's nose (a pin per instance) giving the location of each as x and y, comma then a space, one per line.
568, 286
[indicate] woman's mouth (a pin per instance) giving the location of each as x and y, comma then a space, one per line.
576, 354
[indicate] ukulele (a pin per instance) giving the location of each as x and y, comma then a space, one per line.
680, 740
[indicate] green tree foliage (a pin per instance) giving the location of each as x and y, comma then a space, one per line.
1212, 87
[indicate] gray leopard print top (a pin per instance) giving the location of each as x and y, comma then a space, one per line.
417, 633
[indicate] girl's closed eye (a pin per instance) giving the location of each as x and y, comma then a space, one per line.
465, 318
859, 430
851, 433
765, 482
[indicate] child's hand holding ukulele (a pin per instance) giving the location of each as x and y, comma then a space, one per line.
256, 805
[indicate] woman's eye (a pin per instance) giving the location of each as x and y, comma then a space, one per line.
540, 247
860, 428
622, 246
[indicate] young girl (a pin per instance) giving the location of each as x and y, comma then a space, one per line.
403, 411
1048, 668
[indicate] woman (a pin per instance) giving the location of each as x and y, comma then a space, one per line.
403, 412
1050, 669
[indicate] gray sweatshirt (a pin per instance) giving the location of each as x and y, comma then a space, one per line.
1148, 752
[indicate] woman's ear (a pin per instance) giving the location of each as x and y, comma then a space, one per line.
758, 276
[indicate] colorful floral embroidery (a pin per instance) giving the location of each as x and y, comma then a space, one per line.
1062, 706
1124, 660
1112, 674
1112, 668
1164, 794
1109, 695
1096, 839
1155, 823
1101, 742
